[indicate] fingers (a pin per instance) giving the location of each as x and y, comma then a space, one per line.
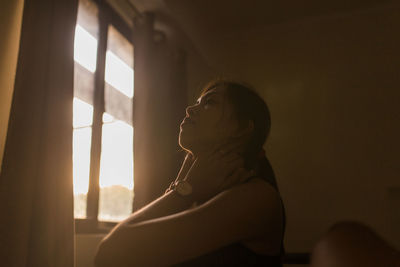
185, 167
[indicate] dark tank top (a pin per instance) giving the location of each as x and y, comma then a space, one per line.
237, 254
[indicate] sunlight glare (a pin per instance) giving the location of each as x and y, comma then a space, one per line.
116, 166
119, 74
85, 48
116, 160
107, 118
81, 159
82, 121
82, 113
117, 149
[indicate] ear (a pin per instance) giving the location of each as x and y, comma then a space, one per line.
245, 131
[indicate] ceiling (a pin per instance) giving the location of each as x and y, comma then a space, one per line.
205, 21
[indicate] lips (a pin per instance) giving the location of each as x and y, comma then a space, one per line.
187, 120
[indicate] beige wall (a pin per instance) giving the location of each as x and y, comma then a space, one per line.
10, 27
332, 84
85, 249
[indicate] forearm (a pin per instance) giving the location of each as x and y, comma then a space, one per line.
167, 204
109, 250
167, 240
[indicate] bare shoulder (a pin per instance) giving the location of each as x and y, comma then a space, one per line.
255, 192
254, 204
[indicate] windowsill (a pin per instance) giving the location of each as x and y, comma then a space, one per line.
92, 226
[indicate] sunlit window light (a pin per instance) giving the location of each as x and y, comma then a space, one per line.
82, 113
107, 118
119, 74
81, 159
117, 149
116, 163
116, 166
85, 48
82, 122
116, 170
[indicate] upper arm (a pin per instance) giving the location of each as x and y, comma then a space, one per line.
235, 214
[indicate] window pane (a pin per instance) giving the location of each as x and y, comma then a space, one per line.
83, 113
85, 48
120, 46
82, 122
119, 76
116, 164
116, 171
83, 84
85, 53
81, 164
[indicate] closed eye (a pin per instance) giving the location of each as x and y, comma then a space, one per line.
205, 101
209, 100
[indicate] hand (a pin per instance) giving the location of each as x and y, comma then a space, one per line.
186, 165
216, 171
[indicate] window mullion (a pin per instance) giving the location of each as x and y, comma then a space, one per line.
98, 110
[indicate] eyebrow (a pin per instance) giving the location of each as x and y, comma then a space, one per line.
208, 94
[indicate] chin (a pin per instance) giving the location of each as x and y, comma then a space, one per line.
184, 143
192, 142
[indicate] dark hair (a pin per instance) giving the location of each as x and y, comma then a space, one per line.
247, 106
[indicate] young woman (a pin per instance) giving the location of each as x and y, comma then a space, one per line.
224, 208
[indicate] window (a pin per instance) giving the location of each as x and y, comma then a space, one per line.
102, 117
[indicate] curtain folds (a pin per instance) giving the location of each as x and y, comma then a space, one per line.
159, 107
36, 193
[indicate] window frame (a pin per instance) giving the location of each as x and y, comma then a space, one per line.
106, 17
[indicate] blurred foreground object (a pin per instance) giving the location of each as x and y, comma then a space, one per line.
353, 244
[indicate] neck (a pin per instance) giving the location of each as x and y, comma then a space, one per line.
201, 151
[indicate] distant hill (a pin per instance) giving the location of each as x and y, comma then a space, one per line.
115, 203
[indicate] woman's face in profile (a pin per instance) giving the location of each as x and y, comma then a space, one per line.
208, 122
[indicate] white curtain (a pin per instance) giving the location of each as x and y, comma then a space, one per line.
36, 195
